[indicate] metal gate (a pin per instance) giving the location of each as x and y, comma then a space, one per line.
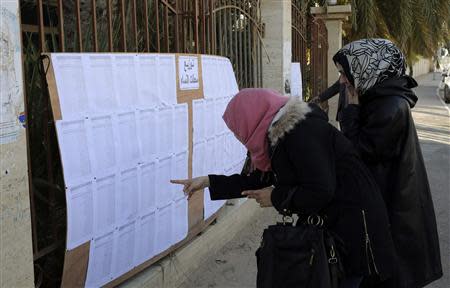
228, 28
319, 56
310, 48
300, 35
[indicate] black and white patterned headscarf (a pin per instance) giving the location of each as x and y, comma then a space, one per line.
367, 62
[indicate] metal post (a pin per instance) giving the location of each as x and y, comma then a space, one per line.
78, 17
62, 47
147, 34
94, 25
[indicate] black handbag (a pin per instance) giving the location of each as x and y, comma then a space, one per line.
303, 255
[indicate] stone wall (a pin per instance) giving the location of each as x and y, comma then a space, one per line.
421, 67
16, 255
276, 16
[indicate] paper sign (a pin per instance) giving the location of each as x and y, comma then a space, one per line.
296, 80
188, 72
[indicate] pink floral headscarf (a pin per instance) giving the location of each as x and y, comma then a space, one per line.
249, 115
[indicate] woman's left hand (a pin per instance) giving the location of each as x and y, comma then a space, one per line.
352, 95
262, 196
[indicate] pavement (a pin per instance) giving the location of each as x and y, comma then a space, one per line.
234, 265
432, 119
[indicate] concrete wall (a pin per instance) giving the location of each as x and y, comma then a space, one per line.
16, 256
334, 28
421, 67
276, 15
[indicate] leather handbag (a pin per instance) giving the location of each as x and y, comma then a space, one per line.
303, 255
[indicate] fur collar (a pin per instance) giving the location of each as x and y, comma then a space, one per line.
294, 111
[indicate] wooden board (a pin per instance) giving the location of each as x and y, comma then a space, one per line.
76, 260
195, 204
51, 85
75, 266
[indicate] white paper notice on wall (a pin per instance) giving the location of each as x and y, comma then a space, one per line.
188, 72
210, 123
128, 140
167, 88
148, 133
180, 136
69, 74
148, 172
105, 203
179, 171
296, 80
127, 200
147, 79
99, 73
232, 79
163, 228
165, 136
198, 108
103, 143
124, 248
79, 214
164, 190
180, 219
125, 80
146, 236
123, 137
207, 76
198, 159
100, 260
72, 137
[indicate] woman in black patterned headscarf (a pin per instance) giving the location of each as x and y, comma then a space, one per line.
379, 123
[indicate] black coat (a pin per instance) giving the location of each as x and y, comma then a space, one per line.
383, 131
319, 163
334, 89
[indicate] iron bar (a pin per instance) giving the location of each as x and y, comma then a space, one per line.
62, 46
210, 23
236, 50
220, 41
110, 28
177, 32
170, 7
147, 33
94, 25
78, 21
134, 24
203, 12
40, 13
47, 250
183, 27
166, 27
231, 20
197, 50
245, 43
158, 41
123, 25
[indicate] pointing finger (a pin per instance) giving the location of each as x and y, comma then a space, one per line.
182, 182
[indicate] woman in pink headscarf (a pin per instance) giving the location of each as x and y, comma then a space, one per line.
299, 156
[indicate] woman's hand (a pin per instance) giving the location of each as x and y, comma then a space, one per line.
192, 185
262, 196
352, 94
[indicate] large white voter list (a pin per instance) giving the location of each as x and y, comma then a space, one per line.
123, 135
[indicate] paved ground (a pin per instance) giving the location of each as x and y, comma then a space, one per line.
432, 120
235, 265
